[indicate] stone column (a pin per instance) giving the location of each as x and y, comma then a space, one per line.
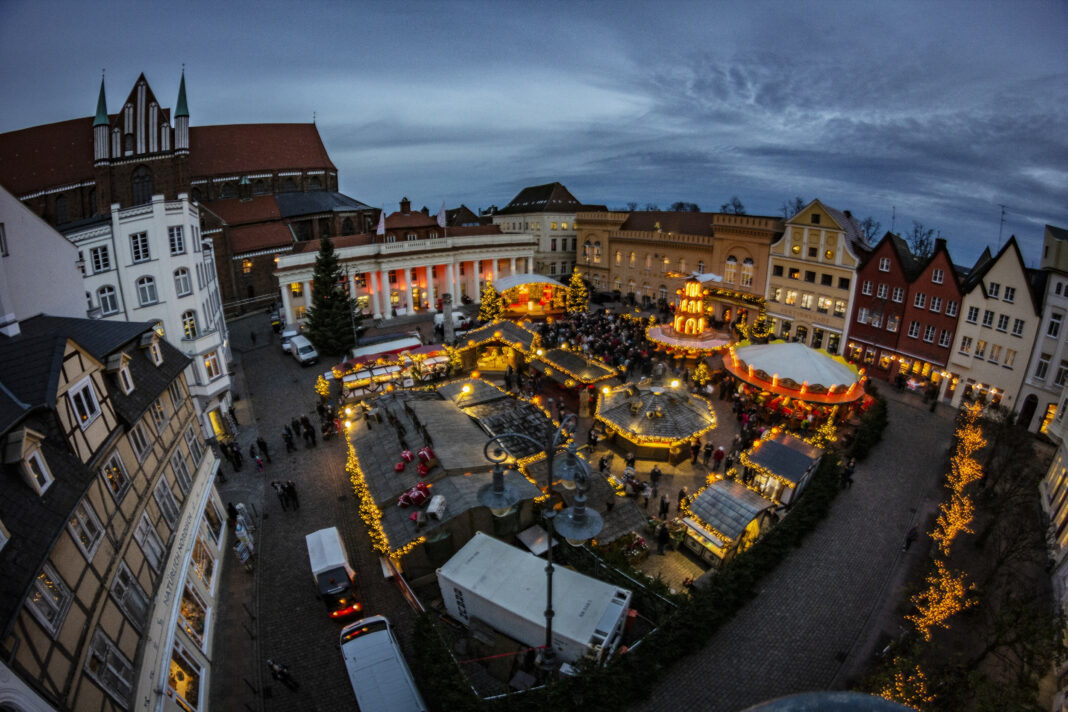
376, 294
513, 266
408, 288
430, 288
451, 282
287, 304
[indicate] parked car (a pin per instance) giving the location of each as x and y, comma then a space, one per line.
287, 335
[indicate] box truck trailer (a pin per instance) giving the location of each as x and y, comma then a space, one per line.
334, 577
504, 587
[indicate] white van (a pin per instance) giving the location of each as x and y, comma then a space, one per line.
379, 675
334, 577
302, 350
287, 336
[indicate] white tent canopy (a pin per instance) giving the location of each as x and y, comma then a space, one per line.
518, 280
798, 362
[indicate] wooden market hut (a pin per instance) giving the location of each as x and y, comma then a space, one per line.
655, 422
725, 518
531, 295
780, 465
497, 345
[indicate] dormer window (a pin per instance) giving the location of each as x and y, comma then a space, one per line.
84, 402
23, 448
119, 364
150, 341
815, 218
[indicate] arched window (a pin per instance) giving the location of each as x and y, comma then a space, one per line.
62, 210
146, 291
197, 195
700, 266
324, 227
682, 265
259, 187
597, 252
665, 266
141, 183
228, 191
747, 272
289, 184
632, 260
662, 292
730, 271
347, 228
183, 285
648, 262
127, 144
109, 302
189, 324
92, 201
315, 184
619, 258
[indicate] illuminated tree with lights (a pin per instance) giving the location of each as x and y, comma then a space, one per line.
322, 388
492, 306
578, 297
909, 685
702, 375
957, 512
946, 595
759, 331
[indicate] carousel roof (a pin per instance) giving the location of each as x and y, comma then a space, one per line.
659, 413
508, 331
518, 280
708, 341
797, 362
729, 507
575, 365
784, 455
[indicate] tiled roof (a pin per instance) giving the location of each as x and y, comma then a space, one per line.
241, 148
852, 229
480, 392
510, 333
785, 455
1058, 233
399, 220
729, 507
237, 212
47, 156
548, 198
317, 201
587, 370
262, 237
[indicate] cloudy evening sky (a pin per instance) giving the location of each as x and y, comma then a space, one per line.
940, 111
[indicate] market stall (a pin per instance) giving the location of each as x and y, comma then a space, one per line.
495, 346
531, 295
723, 519
779, 465
655, 422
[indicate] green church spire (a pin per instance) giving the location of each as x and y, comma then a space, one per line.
182, 109
101, 108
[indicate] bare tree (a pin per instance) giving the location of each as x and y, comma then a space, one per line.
733, 206
684, 207
921, 240
870, 227
632, 206
651, 207
792, 207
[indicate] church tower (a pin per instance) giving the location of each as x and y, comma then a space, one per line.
181, 121
101, 124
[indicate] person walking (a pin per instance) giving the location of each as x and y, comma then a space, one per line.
252, 451
663, 536
695, 450
281, 673
291, 491
279, 489
287, 437
259, 463
262, 444
629, 460
911, 537
706, 452
717, 457
654, 476
665, 506
683, 494
847, 473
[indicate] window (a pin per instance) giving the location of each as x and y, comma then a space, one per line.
813, 251
951, 308
619, 258
115, 477
1003, 322
1053, 329
920, 301
141, 182
184, 679
563, 226
146, 535
973, 315
155, 353
109, 302
929, 334
204, 562
189, 324
791, 297
165, 499
937, 276
839, 307
182, 284
865, 288
988, 318
1010, 358
181, 471
776, 294
177, 394
1017, 327
1042, 367
795, 273
212, 521
1010, 294
882, 291
815, 218
944, 338
176, 237
876, 319
806, 301
965, 344
297, 288
826, 280
101, 259
192, 614
776, 271
109, 667
730, 270
823, 304
993, 289
552, 245
936, 304
863, 315
211, 365
884, 264
843, 282
196, 449
682, 265
914, 330
139, 247
146, 291
125, 379
810, 276
85, 528
130, 596
747, 272
892, 323
552, 226
898, 294
139, 441
980, 348
995, 353
36, 473
83, 399
632, 260
49, 599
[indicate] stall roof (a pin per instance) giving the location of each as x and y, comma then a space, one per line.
729, 507
785, 455
518, 280
503, 331
575, 365
481, 392
797, 362
659, 412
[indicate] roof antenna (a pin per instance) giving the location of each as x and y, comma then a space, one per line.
1001, 227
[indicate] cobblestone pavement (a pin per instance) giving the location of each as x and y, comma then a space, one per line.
813, 614
291, 624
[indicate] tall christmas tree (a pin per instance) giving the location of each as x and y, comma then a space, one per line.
492, 305
578, 297
332, 317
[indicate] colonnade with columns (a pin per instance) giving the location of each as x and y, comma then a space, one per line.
415, 285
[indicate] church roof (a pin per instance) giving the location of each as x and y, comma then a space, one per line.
47, 156
548, 198
183, 108
238, 212
241, 148
262, 236
317, 201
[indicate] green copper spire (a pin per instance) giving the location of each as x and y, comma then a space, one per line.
101, 108
182, 109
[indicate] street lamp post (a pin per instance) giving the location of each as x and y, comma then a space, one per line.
575, 523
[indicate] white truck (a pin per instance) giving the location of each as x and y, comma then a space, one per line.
504, 587
335, 580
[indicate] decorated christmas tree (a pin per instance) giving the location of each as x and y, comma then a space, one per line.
578, 297
702, 375
759, 331
492, 305
332, 318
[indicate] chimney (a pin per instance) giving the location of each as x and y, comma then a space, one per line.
848, 213
940, 244
425, 210
405, 206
